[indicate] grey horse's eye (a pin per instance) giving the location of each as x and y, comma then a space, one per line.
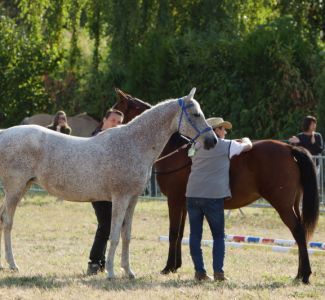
196, 115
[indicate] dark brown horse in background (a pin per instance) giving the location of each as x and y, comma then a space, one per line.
282, 174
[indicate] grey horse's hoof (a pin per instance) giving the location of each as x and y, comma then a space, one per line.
14, 269
128, 274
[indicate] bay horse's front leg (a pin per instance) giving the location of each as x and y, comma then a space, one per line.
126, 238
119, 207
177, 216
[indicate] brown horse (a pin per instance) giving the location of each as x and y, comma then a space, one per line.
280, 173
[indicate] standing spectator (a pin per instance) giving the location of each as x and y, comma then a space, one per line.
103, 209
309, 138
207, 189
60, 123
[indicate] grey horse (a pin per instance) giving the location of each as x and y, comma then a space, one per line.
120, 159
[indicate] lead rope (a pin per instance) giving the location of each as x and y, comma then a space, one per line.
172, 153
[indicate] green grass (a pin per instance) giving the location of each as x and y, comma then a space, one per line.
52, 239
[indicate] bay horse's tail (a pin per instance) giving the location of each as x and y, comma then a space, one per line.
310, 202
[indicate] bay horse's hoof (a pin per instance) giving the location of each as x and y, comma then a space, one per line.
303, 279
165, 271
168, 270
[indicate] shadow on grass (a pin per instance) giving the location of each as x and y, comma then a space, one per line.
148, 282
41, 282
124, 284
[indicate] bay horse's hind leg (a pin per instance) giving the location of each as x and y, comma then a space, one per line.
126, 238
177, 216
291, 217
301, 268
7, 212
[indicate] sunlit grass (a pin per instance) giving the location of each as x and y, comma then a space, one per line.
52, 239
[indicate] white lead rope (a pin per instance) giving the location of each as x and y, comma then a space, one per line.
170, 154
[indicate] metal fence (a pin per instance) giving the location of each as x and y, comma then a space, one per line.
152, 189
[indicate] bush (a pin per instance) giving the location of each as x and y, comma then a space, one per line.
23, 63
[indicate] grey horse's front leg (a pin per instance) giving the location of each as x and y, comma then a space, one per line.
119, 207
7, 216
126, 238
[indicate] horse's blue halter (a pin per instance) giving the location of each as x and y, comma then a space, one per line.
184, 108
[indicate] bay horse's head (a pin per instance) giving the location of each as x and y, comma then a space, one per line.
130, 106
192, 123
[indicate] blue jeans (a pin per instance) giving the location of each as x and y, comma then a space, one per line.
213, 211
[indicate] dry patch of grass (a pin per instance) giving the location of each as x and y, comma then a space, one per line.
51, 242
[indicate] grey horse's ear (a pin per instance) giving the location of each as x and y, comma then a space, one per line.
190, 96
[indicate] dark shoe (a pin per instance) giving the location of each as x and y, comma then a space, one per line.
220, 276
94, 268
202, 276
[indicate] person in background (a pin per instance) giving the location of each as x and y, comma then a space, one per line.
309, 138
103, 209
60, 123
207, 189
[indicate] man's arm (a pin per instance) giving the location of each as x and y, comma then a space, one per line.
247, 144
239, 146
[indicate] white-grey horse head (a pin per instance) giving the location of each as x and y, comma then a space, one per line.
192, 123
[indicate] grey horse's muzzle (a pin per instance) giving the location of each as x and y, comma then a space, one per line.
210, 142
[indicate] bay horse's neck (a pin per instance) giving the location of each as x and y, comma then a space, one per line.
151, 130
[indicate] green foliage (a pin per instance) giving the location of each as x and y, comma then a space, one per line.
275, 65
255, 62
320, 93
23, 63
263, 83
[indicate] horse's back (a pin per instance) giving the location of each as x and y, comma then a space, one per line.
269, 167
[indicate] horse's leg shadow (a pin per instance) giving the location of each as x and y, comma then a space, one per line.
126, 238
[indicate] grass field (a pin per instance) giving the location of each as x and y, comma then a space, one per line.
51, 242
